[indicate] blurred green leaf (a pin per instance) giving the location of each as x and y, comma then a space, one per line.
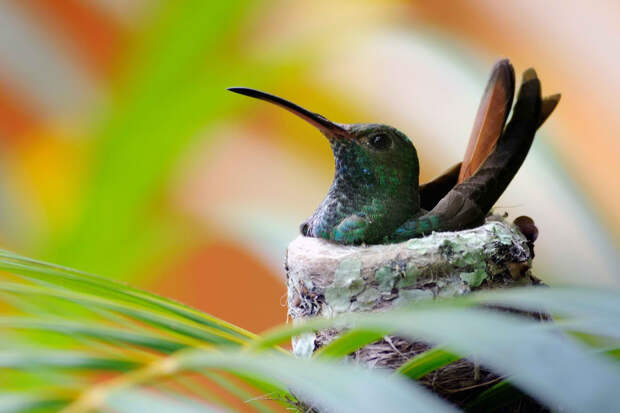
575, 301
123, 297
171, 89
507, 344
62, 360
494, 398
178, 327
141, 401
107, 334
538, 358
347, 343
30, 403
332, 386
424, 363
236, 390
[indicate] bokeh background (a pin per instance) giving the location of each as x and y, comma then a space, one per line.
121, 153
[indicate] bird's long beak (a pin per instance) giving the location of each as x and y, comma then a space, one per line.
329, 128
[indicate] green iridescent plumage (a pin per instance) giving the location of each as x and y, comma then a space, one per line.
375, 196
371, 193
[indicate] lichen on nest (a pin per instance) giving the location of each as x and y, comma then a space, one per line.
327, 279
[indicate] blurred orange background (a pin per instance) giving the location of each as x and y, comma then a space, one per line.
123, 154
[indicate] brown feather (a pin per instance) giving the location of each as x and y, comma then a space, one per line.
490, 119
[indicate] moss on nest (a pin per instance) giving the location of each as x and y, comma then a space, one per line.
328, 279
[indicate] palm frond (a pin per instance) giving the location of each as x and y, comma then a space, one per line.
127, 343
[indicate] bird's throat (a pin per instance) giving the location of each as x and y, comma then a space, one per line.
384, 197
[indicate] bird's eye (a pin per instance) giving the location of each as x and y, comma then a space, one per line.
380, 141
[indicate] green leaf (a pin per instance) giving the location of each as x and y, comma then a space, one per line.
499, 395
574, 301
331, 386
133, 401
107, 334
542, 362
339, 387
605, 326
589, 310
553, 368
67, 278
28, 403
62, 360
424, 363
268, 390
171, 89
173, 324
347, 343
236, 390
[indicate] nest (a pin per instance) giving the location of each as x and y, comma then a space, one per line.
324, 280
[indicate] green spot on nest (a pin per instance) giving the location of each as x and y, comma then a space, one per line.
502, 233
367, 299
410, 276
408, 296
386, 278
474, 279
470, 259
418, 245
347, 283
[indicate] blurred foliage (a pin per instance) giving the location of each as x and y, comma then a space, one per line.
80, 342
166, 95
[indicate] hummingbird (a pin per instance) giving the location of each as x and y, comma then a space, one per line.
375, 196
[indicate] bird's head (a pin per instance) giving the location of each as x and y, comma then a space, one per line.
376, 167
367, 152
